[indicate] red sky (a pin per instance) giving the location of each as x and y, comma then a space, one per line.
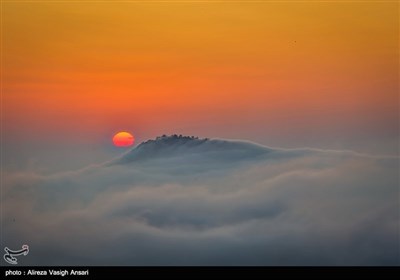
293, 74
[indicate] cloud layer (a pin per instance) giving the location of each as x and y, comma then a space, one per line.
280, 207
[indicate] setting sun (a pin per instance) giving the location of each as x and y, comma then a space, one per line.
123, 139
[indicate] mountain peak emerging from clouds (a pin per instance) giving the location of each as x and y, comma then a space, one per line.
176, 146
174, 139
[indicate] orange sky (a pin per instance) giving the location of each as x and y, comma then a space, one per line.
226, 69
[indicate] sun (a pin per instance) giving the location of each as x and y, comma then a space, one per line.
123, 139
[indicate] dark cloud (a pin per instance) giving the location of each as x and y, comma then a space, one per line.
199, 205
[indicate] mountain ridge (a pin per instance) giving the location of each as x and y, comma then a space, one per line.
177, 145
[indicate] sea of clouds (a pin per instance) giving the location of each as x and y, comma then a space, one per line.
194, 207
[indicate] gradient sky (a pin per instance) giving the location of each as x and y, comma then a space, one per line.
289, 74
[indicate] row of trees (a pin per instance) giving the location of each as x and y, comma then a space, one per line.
176, 136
